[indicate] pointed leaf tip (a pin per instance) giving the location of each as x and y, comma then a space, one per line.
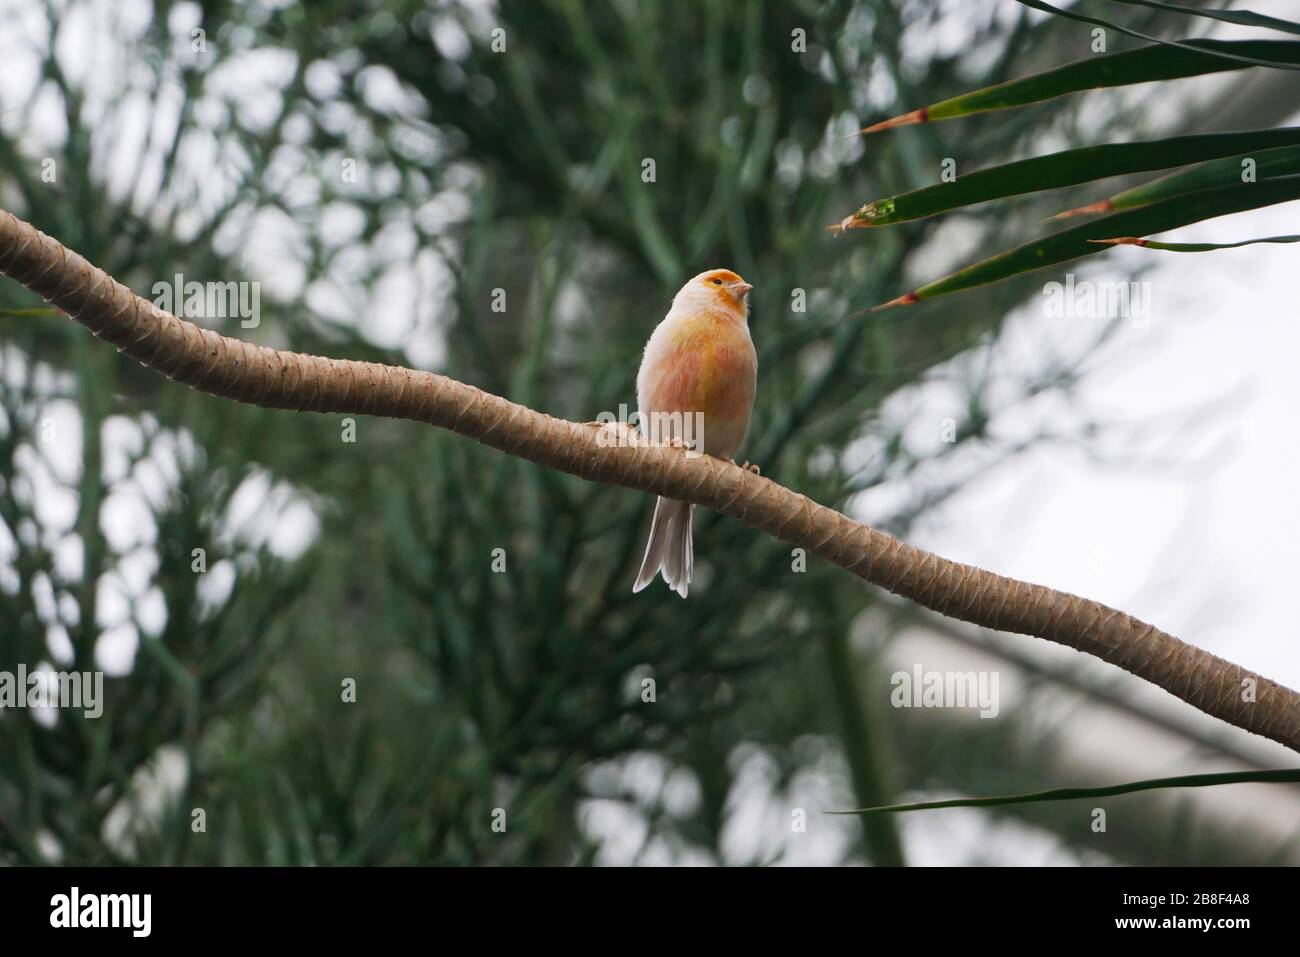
847, 223
907, 119
1092, 209
904, 300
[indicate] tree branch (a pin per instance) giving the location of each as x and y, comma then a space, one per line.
245, 372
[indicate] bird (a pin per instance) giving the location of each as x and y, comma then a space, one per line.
695, 389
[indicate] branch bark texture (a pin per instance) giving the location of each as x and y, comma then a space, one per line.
238, 370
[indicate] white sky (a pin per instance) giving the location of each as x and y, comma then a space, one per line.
1206, 548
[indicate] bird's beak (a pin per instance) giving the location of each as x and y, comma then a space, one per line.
742, 289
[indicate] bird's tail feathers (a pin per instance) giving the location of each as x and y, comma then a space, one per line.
670, 548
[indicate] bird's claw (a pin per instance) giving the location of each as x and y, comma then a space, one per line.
748, 467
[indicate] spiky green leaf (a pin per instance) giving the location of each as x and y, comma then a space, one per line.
1243, 18
1268, 164
1068, 168
1075, 242
1281, 776
1143, 65
1247, 59
1190, 247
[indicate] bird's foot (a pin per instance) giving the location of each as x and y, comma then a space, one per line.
748, 467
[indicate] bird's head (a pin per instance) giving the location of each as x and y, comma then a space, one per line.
718, 288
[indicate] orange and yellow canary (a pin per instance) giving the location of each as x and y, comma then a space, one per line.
699, 370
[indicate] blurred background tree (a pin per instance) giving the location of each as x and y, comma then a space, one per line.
393, 172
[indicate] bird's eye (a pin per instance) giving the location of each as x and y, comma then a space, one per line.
717, 282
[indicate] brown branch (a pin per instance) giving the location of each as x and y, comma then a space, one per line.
239, 370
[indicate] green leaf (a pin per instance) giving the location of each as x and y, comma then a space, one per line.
1269, 164
1179, 44
1281, 776
1143, 65
1067, 168
1242, 17
1190, 247
1074, 243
